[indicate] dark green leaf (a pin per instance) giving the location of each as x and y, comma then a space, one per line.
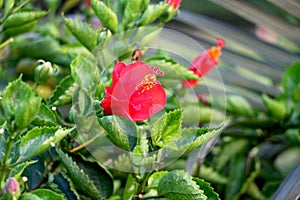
20, 104
85, 73
81, 181
291, 80
120, 131
208, 190
45, 117
172, 69
85, 33
40, 139
105, 14
22, 18
167, 129
13, 31
46, 194
63, 92
131, 187
179, 185
100, 177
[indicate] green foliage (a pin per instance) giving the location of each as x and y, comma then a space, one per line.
42, 194
179, 185
131, 187
81, 181
107, 17
275, 108
290, 81
20, 104
151, 13
167, 129
40, 139
120, 131
45, 117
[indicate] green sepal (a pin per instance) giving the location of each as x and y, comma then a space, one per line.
172, 69
178, 184
167, 130
63, 93
107, 17
82, 182
40, 139
85, 33
20, 104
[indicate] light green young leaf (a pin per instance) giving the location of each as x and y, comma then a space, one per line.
172, 69
85, 33
239, 105
275, 108
155, 178
208, 190
83, 183
107, 17
63, 92
180, 185
167, 130
40, 139
131, 14
45, 117
29, 196
20, 104
85, 73
151, 13
46, 194
193, 138
22, 18
120, 131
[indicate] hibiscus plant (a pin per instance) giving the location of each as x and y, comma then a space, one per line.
94, 106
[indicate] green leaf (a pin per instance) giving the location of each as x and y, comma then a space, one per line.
40, 139
100, 177
29, 196
199, 136
239, 105
275, 108
152, 13
45, 117
208, 190
81, 181
107, 17
85, 73
131, 13
155, 178
167, 129
291, 80
13, 31
46, 194
131, 188
211, 175
63, 92
85, 33
22, 18
172, 69
179, 185
121, 131
20, 104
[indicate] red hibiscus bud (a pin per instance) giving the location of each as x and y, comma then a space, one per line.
135, 92
11, 186
205, 62
175, 3
88, 3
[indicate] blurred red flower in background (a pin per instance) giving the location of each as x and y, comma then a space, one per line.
175, 3
135, 92
204, 62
